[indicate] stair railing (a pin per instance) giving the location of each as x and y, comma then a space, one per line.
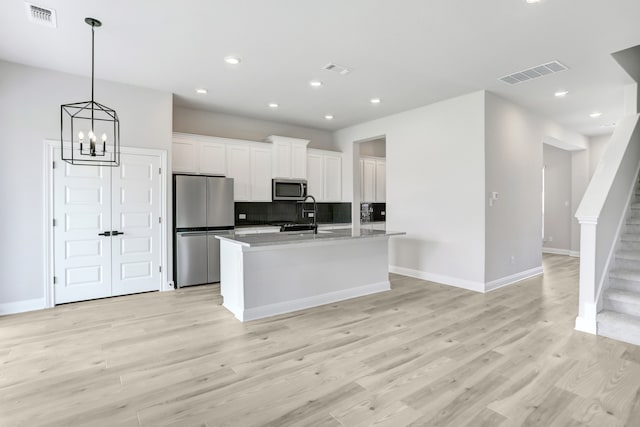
602, 213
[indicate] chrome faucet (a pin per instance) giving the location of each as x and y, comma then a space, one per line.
315, 211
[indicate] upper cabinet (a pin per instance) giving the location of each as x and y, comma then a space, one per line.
184, 155
249, 164
252, 164
373, 179
198, 154
289, 157
324, 175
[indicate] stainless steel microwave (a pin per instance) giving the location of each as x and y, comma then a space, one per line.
289, 189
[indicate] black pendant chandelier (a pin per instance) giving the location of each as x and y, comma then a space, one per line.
92, 129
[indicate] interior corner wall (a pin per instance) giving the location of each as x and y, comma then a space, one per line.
209, 123
513, 152
30, 100
597, 145
557, 199
579, 180
435, 188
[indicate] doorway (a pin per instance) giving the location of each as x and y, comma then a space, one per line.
106, 227
370, 183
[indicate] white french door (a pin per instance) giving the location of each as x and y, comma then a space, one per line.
107, 236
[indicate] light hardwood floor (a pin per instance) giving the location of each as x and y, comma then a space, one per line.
421, 354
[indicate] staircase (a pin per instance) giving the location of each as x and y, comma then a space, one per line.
620, 318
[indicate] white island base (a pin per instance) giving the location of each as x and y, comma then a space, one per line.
261, 278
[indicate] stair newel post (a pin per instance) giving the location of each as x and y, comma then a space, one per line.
588, 305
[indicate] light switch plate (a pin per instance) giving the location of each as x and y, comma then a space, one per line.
242, 216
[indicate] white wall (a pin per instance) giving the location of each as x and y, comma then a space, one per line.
435, 187
597, 145
557, 198
30, 100
579, 180
202, 122
514, 138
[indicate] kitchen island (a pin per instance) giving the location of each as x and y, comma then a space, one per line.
262, 275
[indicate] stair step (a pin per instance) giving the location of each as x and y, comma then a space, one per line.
622, 301
619, 326
628, 254
631, 228
633, 220
635, 205
624, 284
625, 273
626, 245
630, 237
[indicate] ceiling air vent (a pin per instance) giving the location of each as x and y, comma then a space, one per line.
41, 15
534, 72
337, 69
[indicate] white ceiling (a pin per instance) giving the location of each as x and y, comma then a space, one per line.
407, 52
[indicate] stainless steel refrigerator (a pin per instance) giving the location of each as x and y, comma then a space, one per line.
202, 208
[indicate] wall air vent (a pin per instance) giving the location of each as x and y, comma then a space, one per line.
41, 15
534, 72
337, 69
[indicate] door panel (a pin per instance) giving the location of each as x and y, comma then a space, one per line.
82, 258
136, 213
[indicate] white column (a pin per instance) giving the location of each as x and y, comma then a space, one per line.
587, 308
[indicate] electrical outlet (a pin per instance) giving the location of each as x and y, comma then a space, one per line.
310, 215
513, 259
550, 238
242, 216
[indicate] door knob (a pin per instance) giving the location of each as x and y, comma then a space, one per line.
106, 233
116, 233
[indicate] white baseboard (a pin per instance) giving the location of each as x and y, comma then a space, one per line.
509, 280
586, 325
22, 306
303, 303
575, 254
555, 251
445, 280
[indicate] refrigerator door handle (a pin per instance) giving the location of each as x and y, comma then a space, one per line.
191, 233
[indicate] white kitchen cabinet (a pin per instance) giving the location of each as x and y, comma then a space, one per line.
324, 175
184, 156
260, 174
239, 168
373, 179
381, 180
198, 154
289, 157
315, 175
212, 158
369, 180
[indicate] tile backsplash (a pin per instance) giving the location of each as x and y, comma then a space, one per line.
259, 213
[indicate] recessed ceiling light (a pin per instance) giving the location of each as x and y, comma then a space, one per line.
315, 83
595, 114
328, 117
532, 1
561, 93
232, 60
201, 91
375, 100
273, 105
